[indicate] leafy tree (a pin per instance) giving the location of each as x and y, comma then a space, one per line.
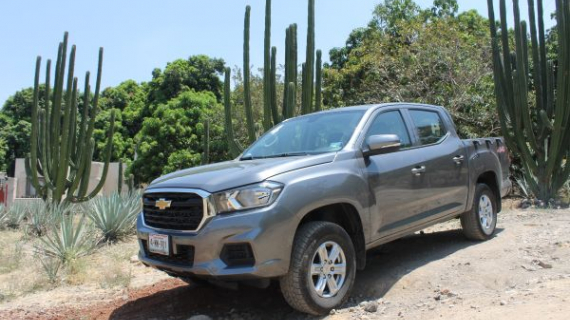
444, 8
171, 139
19, 106
443, 60
3, 152
199, 73
128, 99
390, 14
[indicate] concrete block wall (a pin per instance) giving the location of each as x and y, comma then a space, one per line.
20, 187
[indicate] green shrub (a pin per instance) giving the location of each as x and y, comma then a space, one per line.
69, 241
114, 215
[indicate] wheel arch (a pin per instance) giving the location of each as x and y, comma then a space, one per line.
347, 216
490, 179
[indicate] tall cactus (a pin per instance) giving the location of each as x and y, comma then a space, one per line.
57, 152
273, 86
319, 81
538, 131
235, 148
246, 77
290, 70
271, 114
307, 104
120, 178
267, 98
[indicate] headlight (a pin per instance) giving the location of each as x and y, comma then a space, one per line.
248, 197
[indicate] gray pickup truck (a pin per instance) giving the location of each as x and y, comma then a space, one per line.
309, 197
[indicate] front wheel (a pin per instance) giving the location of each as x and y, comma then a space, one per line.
323, 268
480, 222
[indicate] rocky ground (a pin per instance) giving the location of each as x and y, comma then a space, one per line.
522, 273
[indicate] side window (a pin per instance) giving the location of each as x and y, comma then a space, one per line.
428, 125
390, 122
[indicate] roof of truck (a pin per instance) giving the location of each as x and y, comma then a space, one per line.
378, 105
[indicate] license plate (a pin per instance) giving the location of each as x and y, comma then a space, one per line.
158, 243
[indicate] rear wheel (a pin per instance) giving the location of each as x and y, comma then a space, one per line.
323, 268
480, 222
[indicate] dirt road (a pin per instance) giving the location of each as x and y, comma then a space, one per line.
523, 273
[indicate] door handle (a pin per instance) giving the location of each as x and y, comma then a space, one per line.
458, 159
419, 170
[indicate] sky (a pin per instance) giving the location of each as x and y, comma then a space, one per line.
141, 35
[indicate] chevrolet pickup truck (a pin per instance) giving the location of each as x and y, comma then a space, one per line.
304, 202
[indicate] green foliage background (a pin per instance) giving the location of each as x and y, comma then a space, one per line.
405, 53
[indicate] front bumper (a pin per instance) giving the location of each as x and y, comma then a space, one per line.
266, 231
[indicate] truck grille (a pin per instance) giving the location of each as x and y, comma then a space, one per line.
185, 213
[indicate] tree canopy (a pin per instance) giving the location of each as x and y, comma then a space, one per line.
429, 56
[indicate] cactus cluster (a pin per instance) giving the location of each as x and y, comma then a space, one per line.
533, 94
310, 89
61, 148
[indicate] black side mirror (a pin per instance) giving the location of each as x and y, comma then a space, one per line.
382, 143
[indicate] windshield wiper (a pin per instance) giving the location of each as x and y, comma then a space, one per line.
287, 154
280, 155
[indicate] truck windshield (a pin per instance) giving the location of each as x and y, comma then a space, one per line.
311, 134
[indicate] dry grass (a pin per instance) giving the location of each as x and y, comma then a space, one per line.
23, 271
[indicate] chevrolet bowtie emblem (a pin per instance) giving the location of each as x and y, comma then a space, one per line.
163, 204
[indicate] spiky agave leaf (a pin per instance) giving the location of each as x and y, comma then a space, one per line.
69, 241
42, 216
114, 215
16, 215
3, 216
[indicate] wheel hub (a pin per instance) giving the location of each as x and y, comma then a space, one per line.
328, 271
486, 214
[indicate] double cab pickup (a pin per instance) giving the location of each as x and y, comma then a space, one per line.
304, 202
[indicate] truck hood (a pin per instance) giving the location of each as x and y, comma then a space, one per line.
231, 174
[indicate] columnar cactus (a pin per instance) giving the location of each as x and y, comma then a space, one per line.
271, 115
246, 78
538, 131
267, 98
57, 152
120, 178
290, 70
307, 104
273, 86
235, 148
319, 81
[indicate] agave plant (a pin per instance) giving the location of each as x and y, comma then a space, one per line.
69, 241
114, 215
16, 215
3, 216
51, 267
42, 216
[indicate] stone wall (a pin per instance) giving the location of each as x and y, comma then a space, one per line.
20, 186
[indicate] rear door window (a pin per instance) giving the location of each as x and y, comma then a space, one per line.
429, 126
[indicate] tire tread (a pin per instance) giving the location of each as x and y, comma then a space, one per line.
470, 219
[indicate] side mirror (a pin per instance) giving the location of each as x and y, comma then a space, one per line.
382, 143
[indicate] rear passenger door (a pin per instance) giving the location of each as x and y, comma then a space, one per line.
446, 172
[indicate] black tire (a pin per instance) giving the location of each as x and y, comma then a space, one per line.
298, 285
472, 222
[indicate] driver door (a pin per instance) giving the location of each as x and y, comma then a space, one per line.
397, 192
